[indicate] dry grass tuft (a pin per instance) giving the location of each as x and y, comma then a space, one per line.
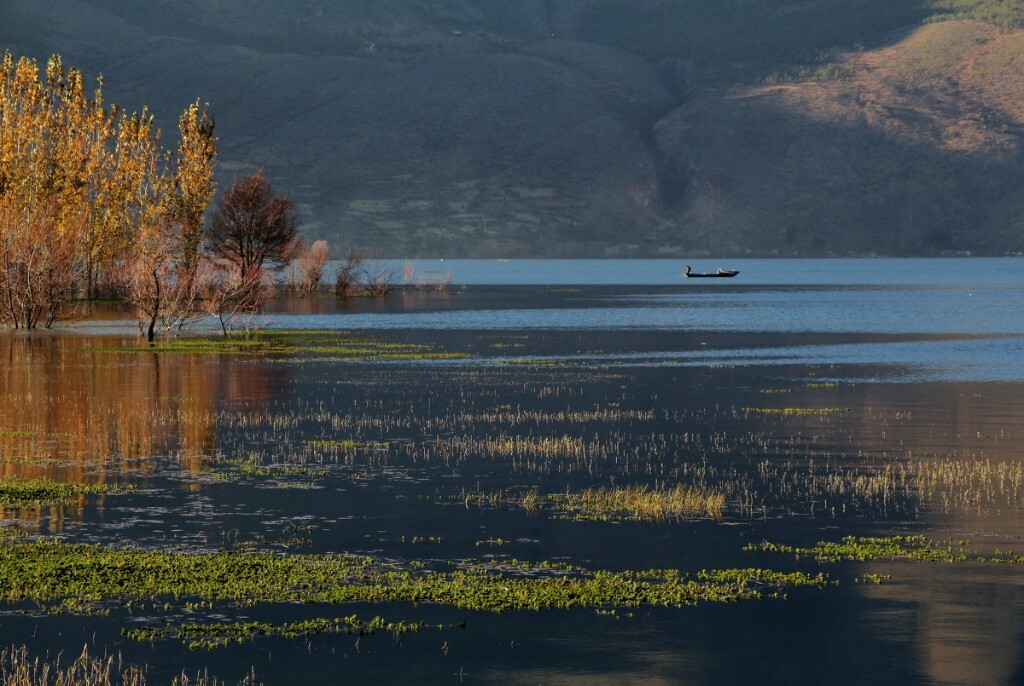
643, 502
17, 668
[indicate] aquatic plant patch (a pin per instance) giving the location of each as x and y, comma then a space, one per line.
35, 493
870, 549
345, 443
252, 466
218, 634
638, 502
339, 347
761, 472
231, 345
309, 345
65, 576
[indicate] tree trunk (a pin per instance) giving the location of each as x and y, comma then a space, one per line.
155, 312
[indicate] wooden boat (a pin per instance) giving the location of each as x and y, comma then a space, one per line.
721, 273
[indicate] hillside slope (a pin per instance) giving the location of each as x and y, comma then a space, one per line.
585, 127
916, 151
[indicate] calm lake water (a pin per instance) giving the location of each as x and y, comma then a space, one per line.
972, 310
822, 398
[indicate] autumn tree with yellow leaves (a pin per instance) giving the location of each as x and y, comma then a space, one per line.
163, 277
88, 195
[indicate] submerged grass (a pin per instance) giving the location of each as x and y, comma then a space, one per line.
870, 549
794, 411
781, 461
323, 346
230, 345
35, 493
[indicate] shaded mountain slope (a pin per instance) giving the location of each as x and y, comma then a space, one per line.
586, 127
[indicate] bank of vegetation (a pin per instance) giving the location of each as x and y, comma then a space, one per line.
91, 202
88, 196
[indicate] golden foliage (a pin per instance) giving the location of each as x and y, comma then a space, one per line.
84, 185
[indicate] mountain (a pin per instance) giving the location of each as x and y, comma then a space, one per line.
490, 128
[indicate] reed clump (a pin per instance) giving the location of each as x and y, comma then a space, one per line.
641, 502
18, 668
969, 482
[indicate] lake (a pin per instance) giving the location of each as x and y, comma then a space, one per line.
456, 432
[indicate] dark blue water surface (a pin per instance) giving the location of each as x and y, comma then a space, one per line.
794, 388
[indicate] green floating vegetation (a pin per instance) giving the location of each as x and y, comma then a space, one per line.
333, 346
421, 539
253, 469
254, 466
35, 493
325, 346
873, 579
870, 549
54, 574
218, 634
228, 345
491, 542
10, 533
